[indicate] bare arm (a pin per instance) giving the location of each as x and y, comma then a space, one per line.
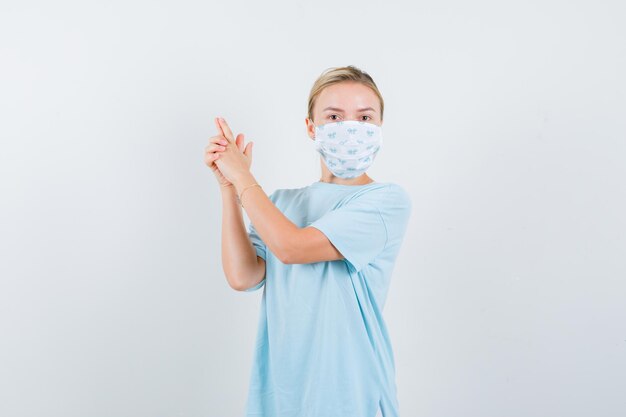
288, 242
242, 267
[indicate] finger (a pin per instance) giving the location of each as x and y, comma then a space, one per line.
214, 148
248, 150
209, 159
228, 134
219, 140
239, 141
213, 157
219, 128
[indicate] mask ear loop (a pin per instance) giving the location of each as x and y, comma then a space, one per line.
316, 143
314, 129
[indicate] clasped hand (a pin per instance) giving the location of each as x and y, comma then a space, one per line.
226, 155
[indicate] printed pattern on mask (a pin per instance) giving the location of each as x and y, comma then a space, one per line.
348, 147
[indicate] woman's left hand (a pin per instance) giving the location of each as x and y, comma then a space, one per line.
232, 162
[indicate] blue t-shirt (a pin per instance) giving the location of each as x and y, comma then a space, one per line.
322, 347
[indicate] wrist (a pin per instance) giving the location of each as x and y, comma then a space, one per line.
243, 180
229, 191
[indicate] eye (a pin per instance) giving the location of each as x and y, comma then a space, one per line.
331, 116
370, 117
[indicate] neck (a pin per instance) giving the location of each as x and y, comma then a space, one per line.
360, 180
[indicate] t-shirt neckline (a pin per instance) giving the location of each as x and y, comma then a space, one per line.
331, 184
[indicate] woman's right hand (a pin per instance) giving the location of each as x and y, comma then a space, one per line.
216, 145
211, 153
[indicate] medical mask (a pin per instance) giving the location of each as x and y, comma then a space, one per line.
348, 147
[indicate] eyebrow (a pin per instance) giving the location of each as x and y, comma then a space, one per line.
341, 110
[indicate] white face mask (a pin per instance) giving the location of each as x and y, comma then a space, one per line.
348, 147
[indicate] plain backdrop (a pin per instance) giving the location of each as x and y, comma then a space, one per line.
505, 121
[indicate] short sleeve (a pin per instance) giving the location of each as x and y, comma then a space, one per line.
256, 287
361, 229
259, 246
257, 242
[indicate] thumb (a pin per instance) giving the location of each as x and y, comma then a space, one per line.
248, 151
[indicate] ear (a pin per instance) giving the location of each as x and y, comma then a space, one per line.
310, 128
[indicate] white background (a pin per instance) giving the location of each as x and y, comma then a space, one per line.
505, 121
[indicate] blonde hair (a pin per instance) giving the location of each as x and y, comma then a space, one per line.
336, 75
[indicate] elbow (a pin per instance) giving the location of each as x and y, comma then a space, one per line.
232, 278
242, 286
288, 249
233, 283
287, 253
285, 257
236, 285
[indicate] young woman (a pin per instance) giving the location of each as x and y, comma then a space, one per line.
324, 254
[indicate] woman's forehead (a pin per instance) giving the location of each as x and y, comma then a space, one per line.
347, 97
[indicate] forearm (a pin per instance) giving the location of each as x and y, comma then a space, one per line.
239, 258
277, 232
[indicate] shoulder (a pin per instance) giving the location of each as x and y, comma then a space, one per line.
395, 210
283, 197
394, 204
398, 195
284, 193
386, 194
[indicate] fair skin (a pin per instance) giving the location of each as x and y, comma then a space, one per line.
230, 161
